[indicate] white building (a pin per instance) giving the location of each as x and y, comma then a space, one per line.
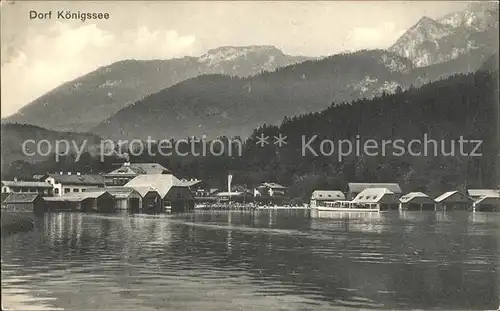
66, 183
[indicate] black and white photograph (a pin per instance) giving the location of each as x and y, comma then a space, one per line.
250, 155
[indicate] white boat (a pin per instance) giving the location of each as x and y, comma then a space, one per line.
346, 206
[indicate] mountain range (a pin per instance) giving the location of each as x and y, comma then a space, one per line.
231, 90
80, 104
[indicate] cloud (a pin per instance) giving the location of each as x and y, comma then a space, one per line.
64, 53
381, 36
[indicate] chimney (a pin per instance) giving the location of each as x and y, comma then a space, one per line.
126, 163
78, 173
15, 178
61, 173
69, 173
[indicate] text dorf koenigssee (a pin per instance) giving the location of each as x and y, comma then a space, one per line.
68, 15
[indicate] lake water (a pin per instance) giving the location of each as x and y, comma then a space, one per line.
261, 260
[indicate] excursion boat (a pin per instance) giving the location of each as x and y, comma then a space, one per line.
347, 206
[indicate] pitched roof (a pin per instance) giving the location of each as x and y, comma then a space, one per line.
371, 195
159, 182
272, 185
327, 195
144, 190
413, 195
120, 192
358, 187
21, 198
487, 200
86, 179
484, 192
26, 184
448, 194
140, 168
79, 196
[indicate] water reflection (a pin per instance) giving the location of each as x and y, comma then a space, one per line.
255, 260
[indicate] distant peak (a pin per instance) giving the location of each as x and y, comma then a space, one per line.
255, 48
426, 20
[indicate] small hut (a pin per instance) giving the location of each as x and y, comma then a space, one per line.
417, 201
453, 200
23, 202
126, 199
150, 199
487, 204
97, 200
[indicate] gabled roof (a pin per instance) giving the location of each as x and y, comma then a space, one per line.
139, 169
21, 198
487, 200
358, 187
413, 195
90, 193
162, 183
144, 190
327, 195
78, 196
371, 195
484, 192
272, 185
115, 191
26, 184
448, 194
86, 179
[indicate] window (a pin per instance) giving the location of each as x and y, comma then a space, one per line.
76, 190
66, 190
56, 190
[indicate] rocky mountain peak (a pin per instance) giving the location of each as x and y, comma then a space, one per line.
232, 53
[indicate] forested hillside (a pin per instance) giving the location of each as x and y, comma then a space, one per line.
462, 105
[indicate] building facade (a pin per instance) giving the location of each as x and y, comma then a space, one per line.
66, 183
129, 171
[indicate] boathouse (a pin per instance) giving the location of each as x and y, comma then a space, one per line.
487, 204
382, 199
23, 202
91, 200
129, 171
353, 189
151, 201
453, 200
126, 198
320, 197
174, 196
417, 201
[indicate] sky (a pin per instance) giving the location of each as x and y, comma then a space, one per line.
39, 55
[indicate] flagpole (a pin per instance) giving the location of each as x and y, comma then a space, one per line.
229, 180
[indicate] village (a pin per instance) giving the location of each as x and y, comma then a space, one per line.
152, 188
